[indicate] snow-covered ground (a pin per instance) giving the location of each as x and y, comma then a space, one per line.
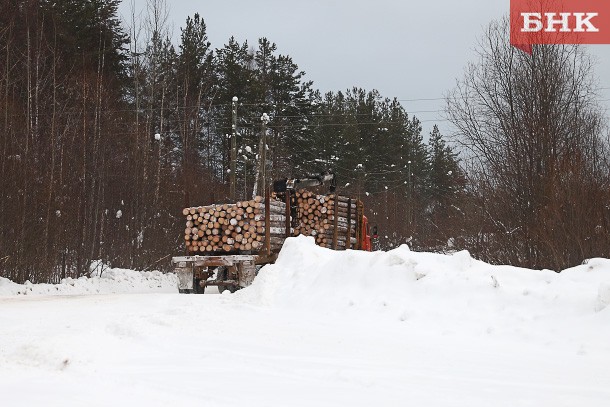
103, 281
318, 328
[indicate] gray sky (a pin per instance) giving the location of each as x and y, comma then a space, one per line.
404, 49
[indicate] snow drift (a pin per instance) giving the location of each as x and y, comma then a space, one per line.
308, 275
102, 281
401, 284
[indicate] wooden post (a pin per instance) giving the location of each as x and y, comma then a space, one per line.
267, 222
264, 156
335, 223
348, 241
359, 215
261, 172
233, 148
288, 234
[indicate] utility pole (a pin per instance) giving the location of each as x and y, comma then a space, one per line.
262, 158
233, 148
360, 170
410, 202
264, 120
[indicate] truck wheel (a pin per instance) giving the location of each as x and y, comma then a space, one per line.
230, 288
197, 289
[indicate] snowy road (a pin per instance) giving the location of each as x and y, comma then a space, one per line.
163, 349
437, 344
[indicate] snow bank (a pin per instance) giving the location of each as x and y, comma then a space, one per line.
603, 298
318, 328
110, 281
401, 284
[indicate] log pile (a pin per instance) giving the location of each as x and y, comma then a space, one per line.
232, 228
241, 227
328, 218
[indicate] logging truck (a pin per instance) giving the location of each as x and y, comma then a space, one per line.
226, 244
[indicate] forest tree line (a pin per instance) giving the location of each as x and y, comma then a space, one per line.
108, 129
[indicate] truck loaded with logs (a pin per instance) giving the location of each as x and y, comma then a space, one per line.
226, 243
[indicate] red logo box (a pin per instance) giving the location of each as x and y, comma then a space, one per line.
559, 22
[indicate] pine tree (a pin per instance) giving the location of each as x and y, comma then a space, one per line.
195, 88
291, 98
445, 173
236, 78
92, 33
445, 191
264, 60
279, 90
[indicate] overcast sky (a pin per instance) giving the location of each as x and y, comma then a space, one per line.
405, 49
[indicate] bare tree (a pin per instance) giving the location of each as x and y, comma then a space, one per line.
533, 132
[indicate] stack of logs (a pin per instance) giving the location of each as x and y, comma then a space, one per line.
235, 227
240, 227
317, 216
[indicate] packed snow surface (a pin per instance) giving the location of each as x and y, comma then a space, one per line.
317, 328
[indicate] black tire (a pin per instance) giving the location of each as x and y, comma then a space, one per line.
229, 288
222, 275
198, 289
